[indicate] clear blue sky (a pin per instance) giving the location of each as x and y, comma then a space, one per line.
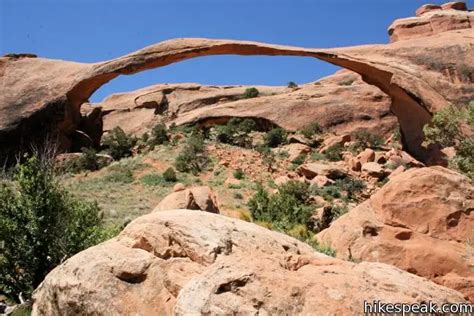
94, 30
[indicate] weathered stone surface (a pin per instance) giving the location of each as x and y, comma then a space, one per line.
421, 221
375, 170
334, 140
368, 155
162, 265
427, 8
432, 19
179, 187
455, 5
196, 198
293, 150
321, 181
313, 169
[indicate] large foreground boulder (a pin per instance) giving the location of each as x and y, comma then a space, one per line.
421, 221
197, 263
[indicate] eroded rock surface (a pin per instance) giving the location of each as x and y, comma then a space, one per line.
432, 19
421, 221
196, 198
186, 262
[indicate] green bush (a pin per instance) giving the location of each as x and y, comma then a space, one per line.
170, 175
275, 137
329, 193
118, 144
368, 140
251, 93
159, 135
347, 82
41, 225
119, 176
351, 186
235, 132
311, 130
292, 85
87, 161
239, 174
334, 153
447, 129
268, 157
285, 209
193, 157
238, 196
152, 179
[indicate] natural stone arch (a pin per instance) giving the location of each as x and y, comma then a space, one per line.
411, 113
68, 85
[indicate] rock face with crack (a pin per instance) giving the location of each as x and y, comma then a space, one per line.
421, 221
193, 263
43, 96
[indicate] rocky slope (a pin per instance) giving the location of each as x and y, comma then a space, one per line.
341, 103
162, 265
421, 221
43, 96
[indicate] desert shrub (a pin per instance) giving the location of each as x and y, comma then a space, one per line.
238, 174
299, 160
245, 216
351, 186
285, 209
118, 144
347, 82
41, 225
368, 140
465, 72
235, 132
323, 248
334, 153
169, 175
329, 193
295, 163
152, 179
292, 85
275, 137
119, 176
311, 130
246, 125
450, 127
267, 155
251, 93
87, 161
315, 155
193, 157
238, 196
159, 135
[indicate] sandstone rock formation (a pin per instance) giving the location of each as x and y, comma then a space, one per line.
432, 19
196, 198
44, 96
162, 265
421, 221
